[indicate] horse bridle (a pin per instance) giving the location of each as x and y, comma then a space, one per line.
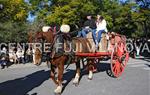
51, 47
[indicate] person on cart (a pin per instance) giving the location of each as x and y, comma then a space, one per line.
89, 26
100, 28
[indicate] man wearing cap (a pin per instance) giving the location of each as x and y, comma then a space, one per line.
89, 26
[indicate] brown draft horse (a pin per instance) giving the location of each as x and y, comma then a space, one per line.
58, 62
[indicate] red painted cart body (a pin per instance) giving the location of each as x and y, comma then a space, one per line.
117, 54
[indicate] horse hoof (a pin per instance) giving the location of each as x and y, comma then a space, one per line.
58, 90
57, 93
76, 84
90, 78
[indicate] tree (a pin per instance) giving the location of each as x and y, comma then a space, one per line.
63, 11
13, 20
122, 17
129, 18
13, 32
14, 10
141, 18
70, 12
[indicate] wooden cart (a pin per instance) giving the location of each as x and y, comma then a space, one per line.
113, 47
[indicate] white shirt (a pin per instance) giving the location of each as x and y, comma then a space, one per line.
11, 53
20, 53
101, 25
4, 50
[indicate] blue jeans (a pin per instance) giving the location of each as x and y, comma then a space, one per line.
3, 62
21, 59
85, 31
98, 38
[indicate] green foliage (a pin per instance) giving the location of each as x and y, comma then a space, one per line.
36, 25
13, 19
129, 18
14, 10
69, 11
13, 32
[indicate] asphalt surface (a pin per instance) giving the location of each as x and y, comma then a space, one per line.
29, 79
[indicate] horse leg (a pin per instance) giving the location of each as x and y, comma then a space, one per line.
90, 68
77, 76
58, 90
83, 61
52, 74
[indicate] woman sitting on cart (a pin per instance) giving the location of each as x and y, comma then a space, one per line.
100, 28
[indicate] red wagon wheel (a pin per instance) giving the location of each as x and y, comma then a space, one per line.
119, 58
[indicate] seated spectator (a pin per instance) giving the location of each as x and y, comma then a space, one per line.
3, 61
20, 55
12, 56
4, 50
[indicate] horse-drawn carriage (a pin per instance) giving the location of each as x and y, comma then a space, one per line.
112, 46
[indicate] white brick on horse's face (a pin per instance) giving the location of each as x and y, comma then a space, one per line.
45, 28
65, 28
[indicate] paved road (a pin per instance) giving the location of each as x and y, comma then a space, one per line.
31, 80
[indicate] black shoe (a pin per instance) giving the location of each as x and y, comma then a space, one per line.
2, 66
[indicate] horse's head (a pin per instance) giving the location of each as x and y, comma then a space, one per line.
41, 37
38, 37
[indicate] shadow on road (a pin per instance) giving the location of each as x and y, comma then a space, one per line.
147, 65
70, 74
144, 58
22, 86
101, 67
